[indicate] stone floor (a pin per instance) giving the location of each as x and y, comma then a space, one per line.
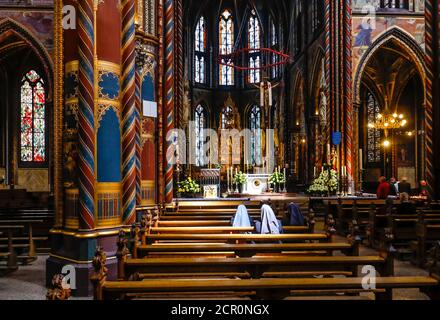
27, 283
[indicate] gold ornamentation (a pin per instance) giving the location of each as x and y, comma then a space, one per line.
57, 291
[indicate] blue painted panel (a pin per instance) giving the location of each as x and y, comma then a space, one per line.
147, 90
109, 148
109, 85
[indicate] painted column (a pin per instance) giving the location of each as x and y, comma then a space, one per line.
347, 88
169, 93
432, 46
128, 113
160, 104
138, 134
86, 128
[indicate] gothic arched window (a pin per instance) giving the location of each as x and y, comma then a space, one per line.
373, 135
255, 140
274, 44
227, 118
200, 123
254, 44
200, 45
33, 119
226, 43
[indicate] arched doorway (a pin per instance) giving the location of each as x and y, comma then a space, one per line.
390, 81
25, 110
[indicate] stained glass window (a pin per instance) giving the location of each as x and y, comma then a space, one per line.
254, 42
227, 118
373, 135
200, 119
226, 43
32, 119
200, 44
255, 141
274, 45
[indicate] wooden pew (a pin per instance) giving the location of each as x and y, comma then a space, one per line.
27, 241
219, 229
239, 237
192, 223
403, 227
249, 249
255, 267
260, 288
200, 230
11, 254
428, 234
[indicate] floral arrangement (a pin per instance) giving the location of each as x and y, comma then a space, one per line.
189, 186
326, 183
276, 178
240, 178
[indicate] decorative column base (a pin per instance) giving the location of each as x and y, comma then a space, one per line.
76, 249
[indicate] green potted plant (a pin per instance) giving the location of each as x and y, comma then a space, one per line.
189, 188
240, 180
276, 178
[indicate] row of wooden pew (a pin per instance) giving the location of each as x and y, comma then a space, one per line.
412, 234
181, 257
24, 235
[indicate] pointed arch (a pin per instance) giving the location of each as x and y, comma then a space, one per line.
10, 27
405, 40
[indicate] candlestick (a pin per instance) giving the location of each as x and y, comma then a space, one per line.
285, 180
361, 160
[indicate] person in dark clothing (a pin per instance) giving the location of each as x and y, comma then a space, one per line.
383, 190
406, 206
294, 215
405, 186
393, 187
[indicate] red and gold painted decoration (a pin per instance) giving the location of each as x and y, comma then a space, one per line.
86, 127
431, 82
338, 56
128, 113
169, 92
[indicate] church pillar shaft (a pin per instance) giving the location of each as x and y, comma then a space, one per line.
128, 113
138, 137
339, 77
86, 127
169, 93
431, 34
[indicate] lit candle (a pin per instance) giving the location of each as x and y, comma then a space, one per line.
328, 153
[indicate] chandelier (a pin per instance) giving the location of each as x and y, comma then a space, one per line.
388, 121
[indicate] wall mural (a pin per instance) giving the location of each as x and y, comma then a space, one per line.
40, 24
366, 31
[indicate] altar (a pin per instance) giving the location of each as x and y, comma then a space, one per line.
256, 184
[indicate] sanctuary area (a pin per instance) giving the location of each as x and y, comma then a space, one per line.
269, 149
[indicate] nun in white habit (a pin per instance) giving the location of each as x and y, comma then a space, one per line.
241, 218
269, 222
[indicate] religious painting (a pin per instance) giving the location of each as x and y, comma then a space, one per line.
405, 154
363, 38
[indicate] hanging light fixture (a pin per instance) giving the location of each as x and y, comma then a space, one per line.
388, 121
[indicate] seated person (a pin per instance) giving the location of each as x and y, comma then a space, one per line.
294, 216
269, 223
406, 206
383, 190
405, 186
241, 218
